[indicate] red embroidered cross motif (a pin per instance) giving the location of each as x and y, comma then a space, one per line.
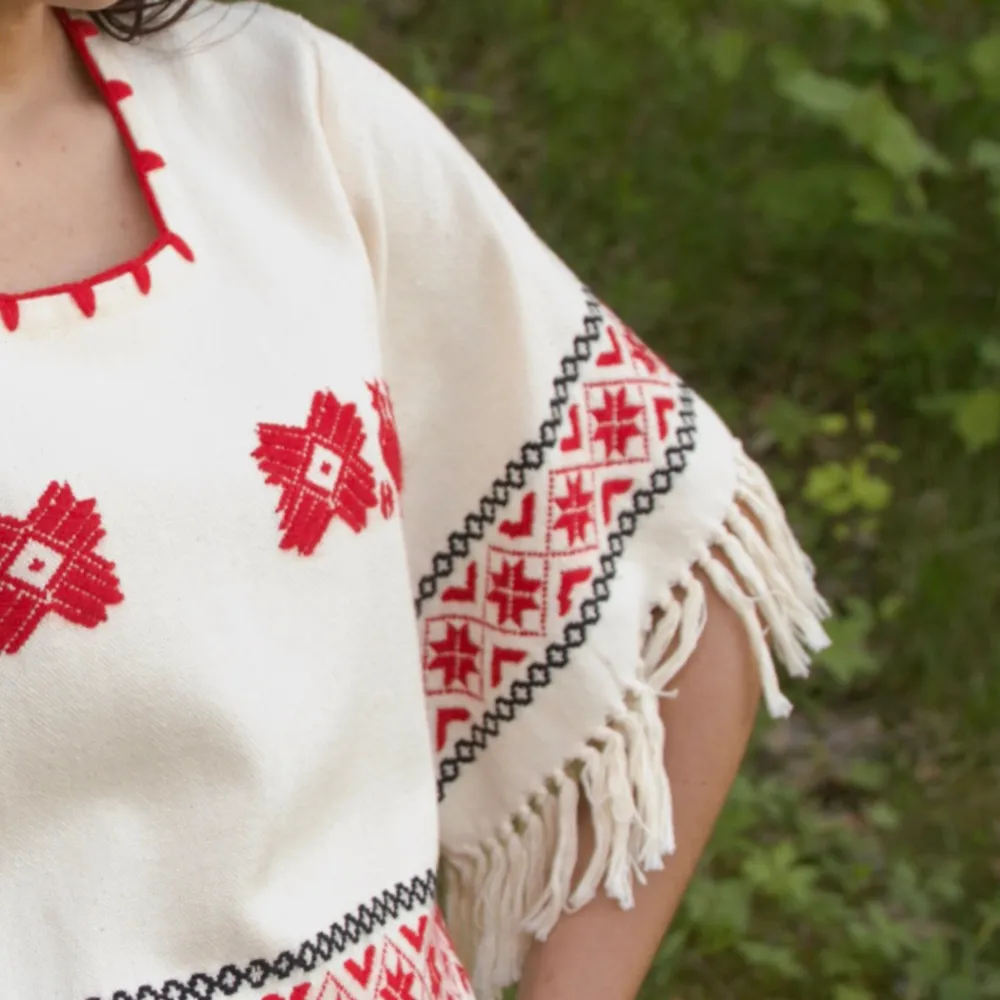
48, 565
575, 516
527, 575
617, 423
457, 657
513, 592
321, 471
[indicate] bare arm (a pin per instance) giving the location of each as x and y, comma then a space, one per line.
603, 952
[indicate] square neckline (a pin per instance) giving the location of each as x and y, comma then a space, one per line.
132, 280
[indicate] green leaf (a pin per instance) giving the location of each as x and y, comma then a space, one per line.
977, 419
883, 451
847, 992
727, 51
984, 154
890, 607
874, 195
984, 61
828, 486
868, 775
789, 423
882, 816
989, 352
832, 424
785, 61
874, 123
874, 13
870, 492
774, 958
849, 657
825, 97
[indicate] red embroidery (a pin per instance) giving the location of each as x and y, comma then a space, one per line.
466, 594
386, 499
399, 984
571, 579
118, 90
445, 717
333, 990
523, 527
84, 297
456, 656
416, 937
434, 973
575, 439
49, 565
617, 423
611, 489
504, 658
614, 356
363, 973
10, 312
576, 517
663, 407
642, 356
418, 963
534, 577
144, 161
514, 593
300, 992
320, 470
388, 436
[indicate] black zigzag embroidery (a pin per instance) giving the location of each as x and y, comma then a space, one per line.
532, 457
351, 930
522, 692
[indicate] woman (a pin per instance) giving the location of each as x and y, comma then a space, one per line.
339, 525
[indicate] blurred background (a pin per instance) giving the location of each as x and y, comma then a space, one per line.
798, 203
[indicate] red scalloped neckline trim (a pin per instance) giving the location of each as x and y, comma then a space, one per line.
144, 163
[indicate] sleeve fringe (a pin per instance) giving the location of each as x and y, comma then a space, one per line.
502, 894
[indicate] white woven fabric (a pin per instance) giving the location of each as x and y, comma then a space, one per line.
331, 532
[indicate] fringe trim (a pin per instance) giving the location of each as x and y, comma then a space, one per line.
506, 892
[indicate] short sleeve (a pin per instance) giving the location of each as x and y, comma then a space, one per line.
561, 486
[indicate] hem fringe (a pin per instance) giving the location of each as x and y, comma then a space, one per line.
515, 887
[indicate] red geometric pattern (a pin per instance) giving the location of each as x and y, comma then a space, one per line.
416, 962
321, 472
48, 565
388, 435
527, 576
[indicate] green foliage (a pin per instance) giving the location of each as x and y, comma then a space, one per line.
798, 201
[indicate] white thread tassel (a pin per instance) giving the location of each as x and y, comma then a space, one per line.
518, 885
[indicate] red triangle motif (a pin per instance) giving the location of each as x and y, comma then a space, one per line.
83, 296
142, 278
173, 240
85, 28
146, 161
416, 937
118, 90
10, 313
363, 974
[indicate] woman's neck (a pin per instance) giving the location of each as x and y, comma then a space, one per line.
36, 61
